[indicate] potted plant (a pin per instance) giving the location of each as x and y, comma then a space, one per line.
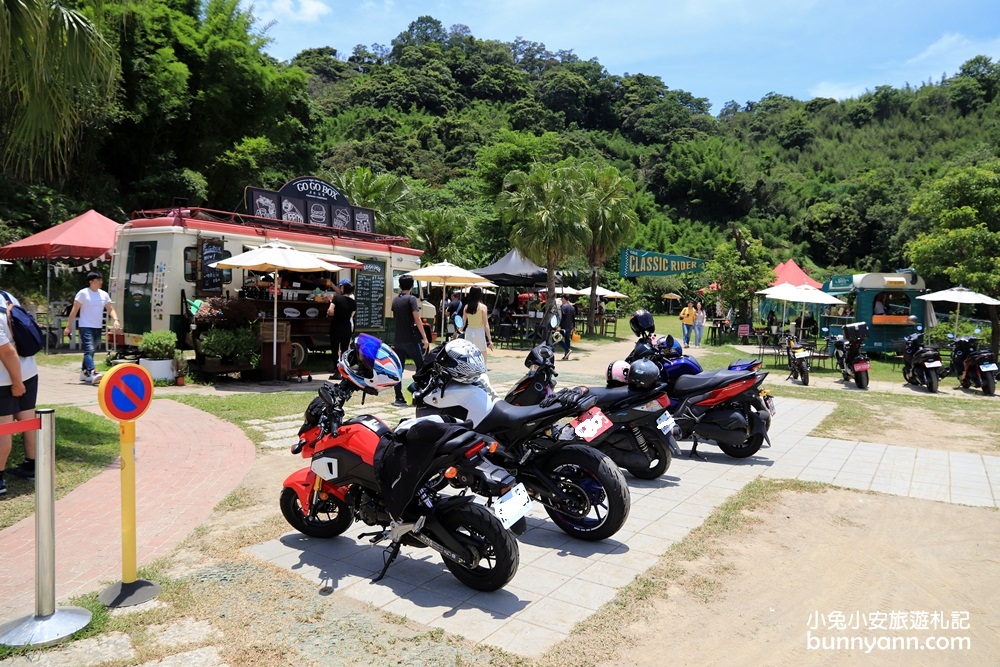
156, 352
180, 367
230, 344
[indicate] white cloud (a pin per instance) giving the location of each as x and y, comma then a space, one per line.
297, 11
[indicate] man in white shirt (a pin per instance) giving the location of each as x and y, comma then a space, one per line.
18, 391
90, 303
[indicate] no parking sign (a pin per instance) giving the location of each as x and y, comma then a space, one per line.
125, 392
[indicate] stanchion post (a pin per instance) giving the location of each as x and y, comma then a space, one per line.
49, 625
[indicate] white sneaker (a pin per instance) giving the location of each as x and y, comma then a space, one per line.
96, 377
85, 377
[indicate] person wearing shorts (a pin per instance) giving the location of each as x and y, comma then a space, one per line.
18, 392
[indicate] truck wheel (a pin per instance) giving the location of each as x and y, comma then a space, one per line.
299, 353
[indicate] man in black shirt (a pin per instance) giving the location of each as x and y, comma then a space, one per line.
341, 313
411, 339
567, 321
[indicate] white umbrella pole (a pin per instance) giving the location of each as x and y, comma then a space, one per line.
48, 302
444, 310
958, 308
274, 336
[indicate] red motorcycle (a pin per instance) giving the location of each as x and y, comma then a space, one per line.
360, 469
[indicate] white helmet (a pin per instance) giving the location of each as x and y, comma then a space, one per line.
462, 361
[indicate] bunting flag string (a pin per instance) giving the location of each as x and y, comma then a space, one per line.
89, 266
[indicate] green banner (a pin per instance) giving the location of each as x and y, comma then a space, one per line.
643, 263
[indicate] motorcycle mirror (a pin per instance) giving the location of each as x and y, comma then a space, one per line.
554, 321
458, 323
977, 330
920, 328
825, 329
951, 335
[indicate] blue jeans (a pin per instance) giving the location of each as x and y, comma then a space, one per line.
89, 338
699, 331
686, 328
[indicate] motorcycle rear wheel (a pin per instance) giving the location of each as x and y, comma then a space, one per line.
474, 526
599, 497
861, 379
932, 382
989, 384
750, 447
661, 458
804, 373
332, 517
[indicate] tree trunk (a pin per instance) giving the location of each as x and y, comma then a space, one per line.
995, 322
592, 307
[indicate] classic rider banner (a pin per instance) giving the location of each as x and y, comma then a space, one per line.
644, 263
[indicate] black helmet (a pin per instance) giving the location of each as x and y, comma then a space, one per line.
643, 374
642, 323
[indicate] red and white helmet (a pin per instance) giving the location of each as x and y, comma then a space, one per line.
370, 365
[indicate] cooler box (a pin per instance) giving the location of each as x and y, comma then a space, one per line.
856, 331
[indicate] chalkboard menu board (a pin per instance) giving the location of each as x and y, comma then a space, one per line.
209, 251
370, 296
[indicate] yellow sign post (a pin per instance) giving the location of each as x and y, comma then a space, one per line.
124, 395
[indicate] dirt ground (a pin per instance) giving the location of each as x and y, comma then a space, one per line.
781, 591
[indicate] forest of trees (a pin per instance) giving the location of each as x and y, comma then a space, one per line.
427, 129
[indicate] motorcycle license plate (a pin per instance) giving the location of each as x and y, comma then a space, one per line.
862, 366
932, 364
666, 423
801, 354
512, 505
591, 424
987, 367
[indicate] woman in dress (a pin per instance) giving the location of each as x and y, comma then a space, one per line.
477, 324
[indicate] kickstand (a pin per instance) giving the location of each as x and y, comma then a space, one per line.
694, 450
392, 552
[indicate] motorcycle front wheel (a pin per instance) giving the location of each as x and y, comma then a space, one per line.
661, 458
598, 500
332, 516
932, 382
476, 527
861, 379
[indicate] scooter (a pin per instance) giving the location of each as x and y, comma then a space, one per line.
634, 441
921, 364
972, 366
852, 361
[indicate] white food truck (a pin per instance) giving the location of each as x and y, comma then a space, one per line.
162, 259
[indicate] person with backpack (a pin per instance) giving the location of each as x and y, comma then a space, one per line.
18, 391
90, 303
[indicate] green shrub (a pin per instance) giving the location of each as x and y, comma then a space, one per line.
230, 343
158, 344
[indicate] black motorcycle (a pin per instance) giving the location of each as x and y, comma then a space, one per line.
851, 359
921, 363
634, 440
972, 366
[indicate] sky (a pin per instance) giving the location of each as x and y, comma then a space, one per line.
721, 50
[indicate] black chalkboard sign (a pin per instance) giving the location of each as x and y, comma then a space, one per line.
210, 282
370, 296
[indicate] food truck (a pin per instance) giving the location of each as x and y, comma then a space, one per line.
898, 315
161, 268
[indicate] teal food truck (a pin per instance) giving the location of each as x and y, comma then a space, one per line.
886, 301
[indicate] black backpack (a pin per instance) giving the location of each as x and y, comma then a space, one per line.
24, 329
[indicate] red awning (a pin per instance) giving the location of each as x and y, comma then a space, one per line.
791, 273
86, 236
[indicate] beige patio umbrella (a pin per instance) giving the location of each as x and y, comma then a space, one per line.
959, 295
275, 257
446, 273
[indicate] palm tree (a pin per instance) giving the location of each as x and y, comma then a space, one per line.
55, 69
612, 220
434, 231
387, 194
547, 207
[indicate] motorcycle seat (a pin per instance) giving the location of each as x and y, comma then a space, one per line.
695, 384
607, 396
504, 417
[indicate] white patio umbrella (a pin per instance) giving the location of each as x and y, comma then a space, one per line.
446, 273
608, 294
275, 257
959, 295
799, 294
